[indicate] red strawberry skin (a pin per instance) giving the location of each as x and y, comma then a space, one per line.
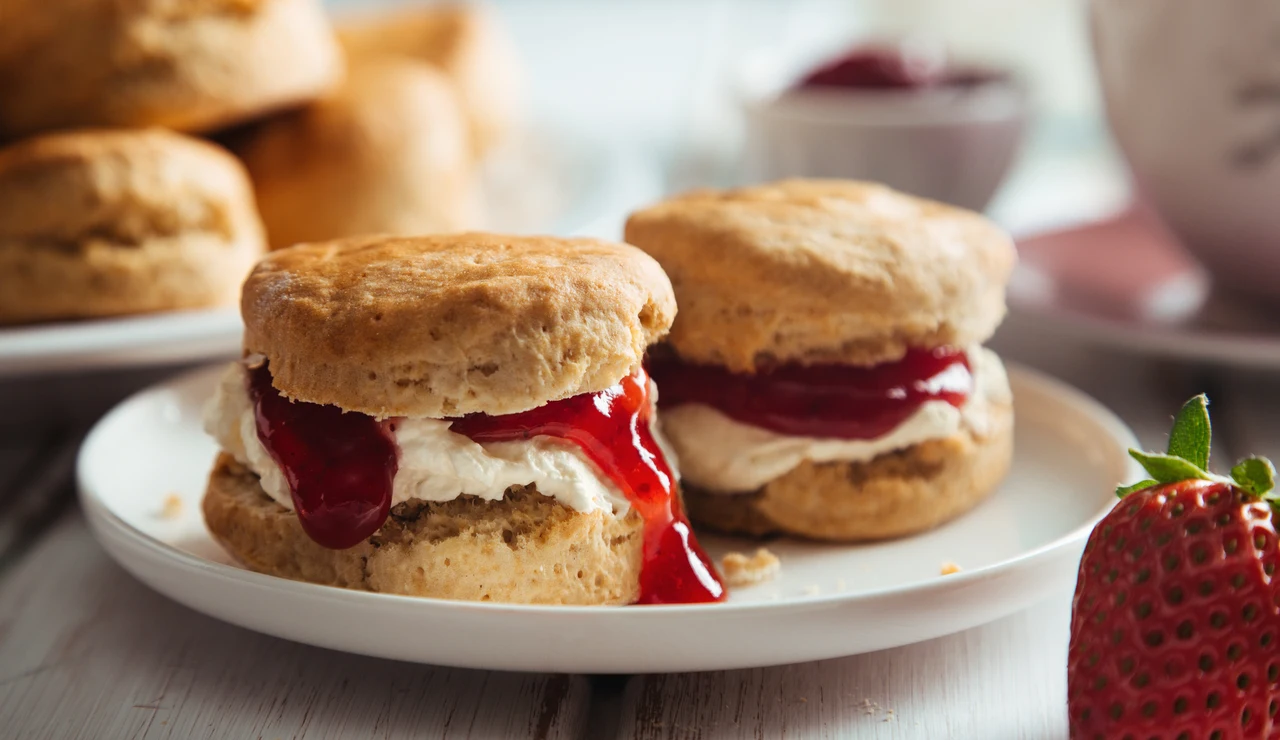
1174, 633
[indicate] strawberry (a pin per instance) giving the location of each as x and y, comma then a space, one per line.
1175, 630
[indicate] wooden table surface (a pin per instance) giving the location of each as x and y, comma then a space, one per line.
88, 652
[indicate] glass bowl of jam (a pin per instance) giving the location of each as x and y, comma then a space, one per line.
901, 114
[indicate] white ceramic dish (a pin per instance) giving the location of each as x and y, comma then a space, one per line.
829, 600
1191, 97
547, 184
953, 145
138, 341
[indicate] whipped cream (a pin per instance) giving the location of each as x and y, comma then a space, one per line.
435, 463
722, 454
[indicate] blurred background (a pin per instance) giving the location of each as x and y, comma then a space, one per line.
664, 81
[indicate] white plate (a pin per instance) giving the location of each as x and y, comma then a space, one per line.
829, 600
546, 183
132, 341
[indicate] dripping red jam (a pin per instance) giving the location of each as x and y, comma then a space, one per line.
340, 468
612, 429
827, 401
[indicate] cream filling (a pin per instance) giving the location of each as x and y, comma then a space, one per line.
435, 463
721, 454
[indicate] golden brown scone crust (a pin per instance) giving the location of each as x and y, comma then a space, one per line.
101, 223
386, 153
525, 549
466, 42
815, 271
895, 494
191, 65
451, 324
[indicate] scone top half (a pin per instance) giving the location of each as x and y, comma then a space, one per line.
425, 405
822, 271
826, 326
449, 325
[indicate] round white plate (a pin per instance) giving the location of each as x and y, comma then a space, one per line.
548, 183
1015, 549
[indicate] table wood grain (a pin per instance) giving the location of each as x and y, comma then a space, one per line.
88, 652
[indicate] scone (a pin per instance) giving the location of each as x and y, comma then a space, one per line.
825, 377
459, 416
191, 66
385, 153
103, 223
466, 42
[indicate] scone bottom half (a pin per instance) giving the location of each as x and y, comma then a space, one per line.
568, 500
838, 452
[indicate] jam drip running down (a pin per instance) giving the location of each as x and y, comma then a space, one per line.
339, 466
827, 401
612, 429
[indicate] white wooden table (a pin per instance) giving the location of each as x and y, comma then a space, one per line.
88, 652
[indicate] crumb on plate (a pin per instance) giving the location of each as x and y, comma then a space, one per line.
172, 507
741, 570
949, 567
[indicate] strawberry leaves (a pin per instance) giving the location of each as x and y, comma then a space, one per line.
1255, 475
1187, 458
1191, 433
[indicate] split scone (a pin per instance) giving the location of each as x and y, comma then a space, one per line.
460, 416
825, 377
191, 66
98, 223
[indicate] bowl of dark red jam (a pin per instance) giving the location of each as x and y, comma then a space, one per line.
900, 114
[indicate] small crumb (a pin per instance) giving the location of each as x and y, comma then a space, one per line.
811, 590
740, 570
949, 567
172, 507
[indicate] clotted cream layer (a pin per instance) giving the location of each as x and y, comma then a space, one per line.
718, 453
435, 463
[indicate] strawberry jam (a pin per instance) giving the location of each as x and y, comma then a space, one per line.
888, 68
339, 466
827, 401
612, 429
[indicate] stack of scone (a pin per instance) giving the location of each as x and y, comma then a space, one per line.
103, 212
106, 213
825, 377
461, 416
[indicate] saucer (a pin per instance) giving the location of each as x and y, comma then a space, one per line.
1126, 283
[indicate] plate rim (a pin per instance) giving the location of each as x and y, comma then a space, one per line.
106, 522
136, 340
